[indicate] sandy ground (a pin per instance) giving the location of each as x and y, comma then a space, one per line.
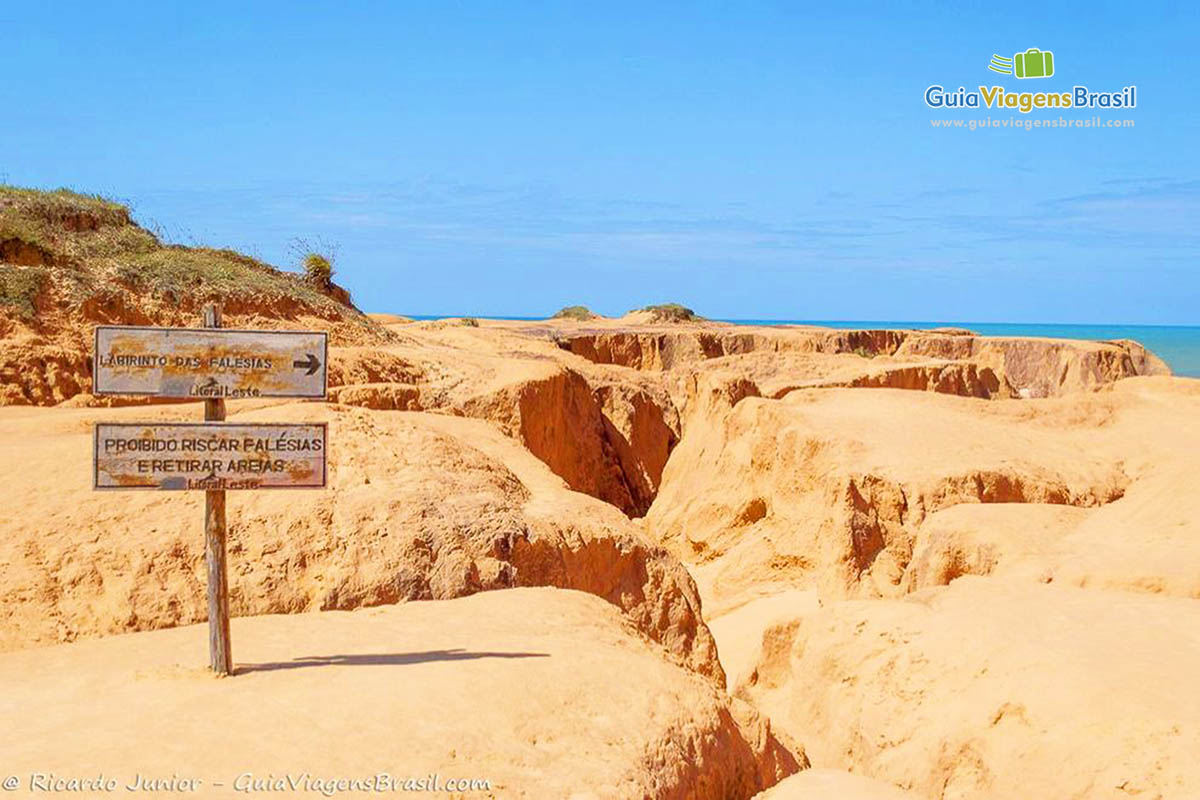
832, 784
528, 689
958, 597
933, 565
987, 687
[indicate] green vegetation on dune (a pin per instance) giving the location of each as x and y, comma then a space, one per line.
318, 269
672, 312
20, 287
574, 312
52, 204
169, 272
74, 248
76, 226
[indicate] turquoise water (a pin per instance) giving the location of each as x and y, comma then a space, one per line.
1178, 345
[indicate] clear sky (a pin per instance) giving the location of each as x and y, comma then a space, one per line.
751, 160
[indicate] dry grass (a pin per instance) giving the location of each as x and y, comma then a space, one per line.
79, 247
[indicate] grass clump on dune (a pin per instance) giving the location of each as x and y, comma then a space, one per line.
671, 312
580, 313
318, 269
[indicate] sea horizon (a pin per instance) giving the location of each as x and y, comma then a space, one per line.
1178, 345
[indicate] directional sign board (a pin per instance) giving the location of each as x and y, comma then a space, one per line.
209, 455
209, 363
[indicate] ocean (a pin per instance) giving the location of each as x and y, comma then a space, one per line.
1178, 345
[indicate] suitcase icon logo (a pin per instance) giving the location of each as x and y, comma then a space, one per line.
1033, 63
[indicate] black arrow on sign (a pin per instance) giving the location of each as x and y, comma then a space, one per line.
312, 363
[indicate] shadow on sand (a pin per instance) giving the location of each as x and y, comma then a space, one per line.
380, 659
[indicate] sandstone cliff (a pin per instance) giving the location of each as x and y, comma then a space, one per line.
418, 508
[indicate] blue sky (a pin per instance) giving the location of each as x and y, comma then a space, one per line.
752, 160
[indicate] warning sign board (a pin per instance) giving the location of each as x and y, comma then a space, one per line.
209, 455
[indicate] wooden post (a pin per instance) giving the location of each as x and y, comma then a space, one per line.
220, 655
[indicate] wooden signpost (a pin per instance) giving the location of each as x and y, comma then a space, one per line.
209, 363
212, 456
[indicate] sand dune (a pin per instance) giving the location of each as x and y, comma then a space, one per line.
527, 689
832, 784
932, 564
995, 688
419, 507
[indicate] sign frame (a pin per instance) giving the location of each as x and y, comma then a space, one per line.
100, 391
220, 651
324, 484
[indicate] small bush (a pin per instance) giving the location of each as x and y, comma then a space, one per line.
574, 312
318, 269
316, 259
863, 352
672, 312
470, 322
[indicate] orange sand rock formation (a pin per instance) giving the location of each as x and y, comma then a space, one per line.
926, 562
